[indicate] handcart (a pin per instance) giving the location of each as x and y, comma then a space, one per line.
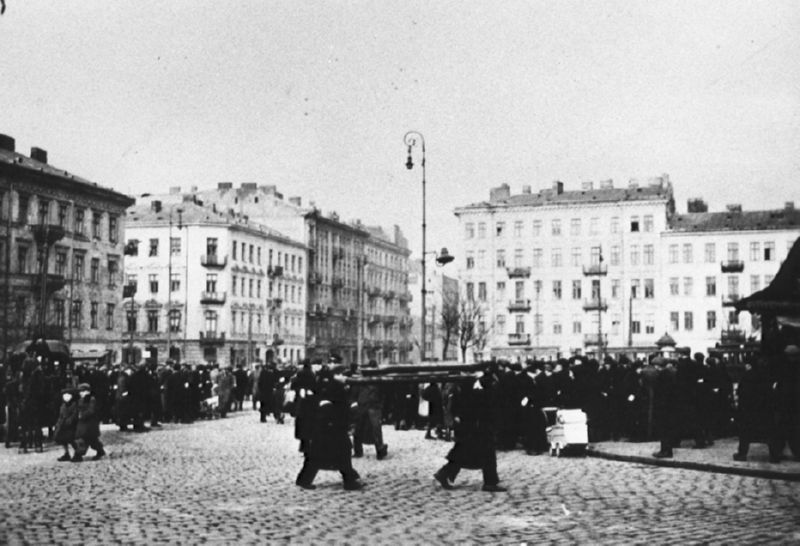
566, 430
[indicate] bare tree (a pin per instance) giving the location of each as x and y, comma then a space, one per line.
448, 321
470, 318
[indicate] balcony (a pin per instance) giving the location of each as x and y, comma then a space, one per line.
595, 304
212, 338
275, 271
595, 339
213, 261
388, 295
53, 282
519, 339
389, 345
732, 335
595, 269
313, 278
389, 319
47, 233
519, 305
337, 283
213, 298
518, 272
732, 266
730, 300
374, 292
274, 303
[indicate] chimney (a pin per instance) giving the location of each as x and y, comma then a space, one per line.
788, 205
526, 190
250, 186
296, 201
558, 187
156, 206
607, 184
588, 185
38, 154
500, 193
696, 205
174, 190
734, 207
6, 143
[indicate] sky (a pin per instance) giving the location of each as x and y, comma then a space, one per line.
315, 97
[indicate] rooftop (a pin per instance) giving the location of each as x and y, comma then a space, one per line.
736, 220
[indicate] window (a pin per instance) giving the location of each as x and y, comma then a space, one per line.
537, 228
635, 288
234, 328
23, 202
63, 211
768, 279
518, 226
470, 291
251, 255
615, 288
556, 326
649, 289
649, 324
153, 248
711, 253
22, 259
615, 255
470, 260
96, 218
258, 290
576, 256
674, 320
634, 254
501, 323
538, 325
636, 327
733, 286
233, 252
175, 282
711, 286
688, 285
113, 272
614, 228
755, 251
152, 321
634, 224
76, 316
649, 255
769, 251
95, 270
113, 228
499, 227
93, 315
481, 291
44, 211
555, 227
133, 280
648, 222
755, 283
537, 257
733, 252
593, 227
153, 278
77, 266
175, 246
250, 286
481, 259
233, 285
556, 257
673, 254
537, 287
58, 312
80, 221
174, 320
733, 318
481, 230
575, 227
576, 290
519, 290
557, 290
519, 324
469, 230
501, 288
518, 257
711, 320
501, 258
688, 321
110, 316
130, 320
258, 258
688, 255
211, 247
576, 326
61, 262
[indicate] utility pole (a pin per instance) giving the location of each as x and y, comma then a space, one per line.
7, 275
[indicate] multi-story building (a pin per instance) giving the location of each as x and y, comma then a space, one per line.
441, 300
337, 258
606, 269
212, 286
61, 255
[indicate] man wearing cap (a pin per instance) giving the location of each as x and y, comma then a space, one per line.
87, 432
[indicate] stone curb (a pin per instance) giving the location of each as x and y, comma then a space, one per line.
702, 467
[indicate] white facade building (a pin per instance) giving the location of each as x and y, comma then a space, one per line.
213, 286
558, 271
441, 290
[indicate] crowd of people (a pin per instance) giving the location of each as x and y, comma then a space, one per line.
669, 399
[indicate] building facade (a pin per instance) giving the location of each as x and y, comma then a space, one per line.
442, 298
61, 255
605, 269
212, 286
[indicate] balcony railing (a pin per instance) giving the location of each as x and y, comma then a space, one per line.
47, 233
519, 339
595, 339
211, 337
275, 302
213, 260
732, 266
595, 304
518, 272
732, 335
595, 269
519, 305
54, 282
730, 299
216, 298
275, 271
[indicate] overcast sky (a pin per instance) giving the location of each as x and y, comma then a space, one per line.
315, 97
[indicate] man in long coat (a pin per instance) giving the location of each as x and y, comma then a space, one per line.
369, 420
87, 432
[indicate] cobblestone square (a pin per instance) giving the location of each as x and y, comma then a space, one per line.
232, 481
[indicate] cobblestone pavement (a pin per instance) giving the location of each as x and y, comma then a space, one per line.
232, 481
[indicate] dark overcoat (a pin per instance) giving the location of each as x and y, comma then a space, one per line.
330, 445
474, 441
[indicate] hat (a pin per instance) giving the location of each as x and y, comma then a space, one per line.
791, 350
69, 390
84, 387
